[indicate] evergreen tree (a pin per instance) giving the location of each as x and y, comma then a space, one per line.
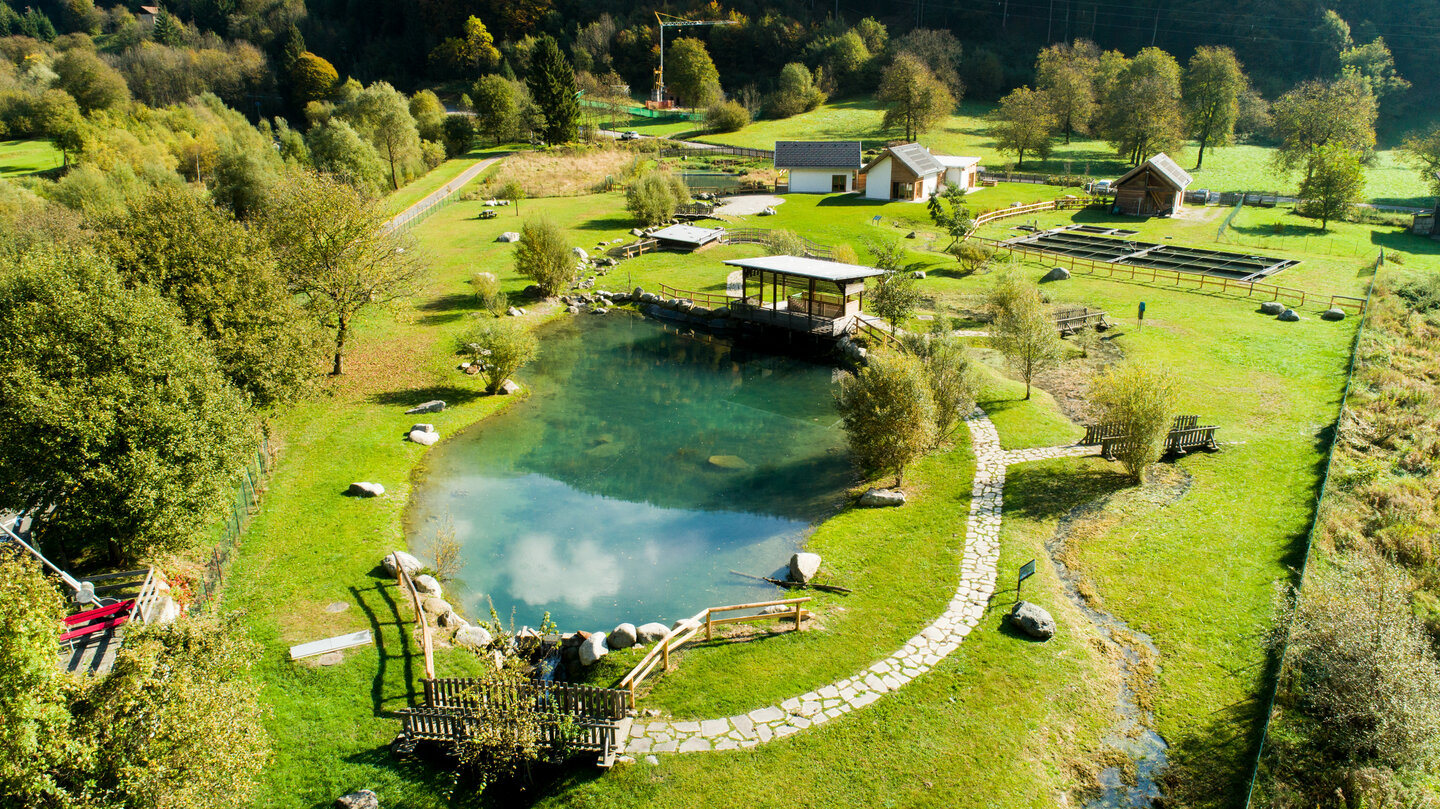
168, 30
293, 48
552, 85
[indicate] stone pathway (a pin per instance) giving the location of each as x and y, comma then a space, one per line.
920, 654
735, 283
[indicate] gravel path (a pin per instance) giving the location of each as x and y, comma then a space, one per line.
920, 654
748, 204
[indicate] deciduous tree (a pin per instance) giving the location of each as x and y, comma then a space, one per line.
888, 412
336, 149
115, 415
495, 98
1143, 114
502, 347
1023, 123
311, 79
544, 256
1021, 328
690, 73
1066, 74
332, 246
796, 92
1140, 402
225, 282
1212, 86
916, 100
1333, 182
895, 296
94, 84
1316, 114
381, 115
655, 195
1373, 64
950, 374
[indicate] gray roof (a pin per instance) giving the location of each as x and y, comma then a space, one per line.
688, 234
1165, 167
916, 157
817, 154
807, 267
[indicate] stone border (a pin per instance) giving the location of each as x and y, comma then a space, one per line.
919, 655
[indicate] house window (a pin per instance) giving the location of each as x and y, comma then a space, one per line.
907, 191
837, 183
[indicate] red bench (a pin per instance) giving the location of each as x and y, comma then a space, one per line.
97, 620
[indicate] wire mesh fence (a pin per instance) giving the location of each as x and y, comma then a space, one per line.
242, 507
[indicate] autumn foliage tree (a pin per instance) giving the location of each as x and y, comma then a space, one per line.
311, 79
916, 101
1023, 124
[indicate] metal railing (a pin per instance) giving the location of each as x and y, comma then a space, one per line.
242, 507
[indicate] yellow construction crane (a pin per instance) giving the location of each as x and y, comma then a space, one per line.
676, 22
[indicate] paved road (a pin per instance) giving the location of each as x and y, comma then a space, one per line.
439, 194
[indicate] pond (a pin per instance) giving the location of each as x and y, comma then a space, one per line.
642, 470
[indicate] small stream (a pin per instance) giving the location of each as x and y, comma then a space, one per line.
1135, 783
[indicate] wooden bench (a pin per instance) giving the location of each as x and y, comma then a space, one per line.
1097, 433
1177, 442
97, 620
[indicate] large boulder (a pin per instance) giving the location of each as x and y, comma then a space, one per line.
1033, 620
728, 462
365, 488
579, 252
877, 498
1289, 316
1333, 314
473, 637
508, 236
621, 637
1057, 274
804, 566
404, 561
422, 428
433, 406
593, 649
424, 439
652, 632
508, 387
359, 799
436, 605
427, 585
1271, 308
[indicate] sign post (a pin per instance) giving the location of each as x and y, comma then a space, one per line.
1140, 318
1026, 571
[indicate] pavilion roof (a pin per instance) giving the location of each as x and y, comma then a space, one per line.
807, 267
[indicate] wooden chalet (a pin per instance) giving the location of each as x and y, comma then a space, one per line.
801, 294
1153, 188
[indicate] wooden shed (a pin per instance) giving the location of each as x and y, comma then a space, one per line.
1153, 188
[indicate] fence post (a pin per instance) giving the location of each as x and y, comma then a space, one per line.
797, 617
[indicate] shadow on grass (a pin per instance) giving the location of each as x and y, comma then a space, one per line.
1405, 242
1212, 759
454, 302
451, 395
611, 222
1049, 491
383, 617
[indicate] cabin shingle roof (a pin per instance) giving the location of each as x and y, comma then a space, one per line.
817, 154
1166, 167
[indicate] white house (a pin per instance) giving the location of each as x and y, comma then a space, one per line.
909, 172
960, 171
819, 167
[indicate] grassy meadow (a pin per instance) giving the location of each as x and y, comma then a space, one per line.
1233, 168
1002, 722
22, 157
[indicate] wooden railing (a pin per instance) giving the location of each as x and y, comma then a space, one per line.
553, 730
116, 584
571, 700
882, 336
634, 249
427, 642
1034, 207
709, 299
766, 237
1200, 281
686, 630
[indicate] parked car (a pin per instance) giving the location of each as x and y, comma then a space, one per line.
631, 135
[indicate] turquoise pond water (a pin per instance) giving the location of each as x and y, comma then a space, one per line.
607, 495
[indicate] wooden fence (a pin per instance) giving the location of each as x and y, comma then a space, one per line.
711, 151
767, 238
686, 630
870, 328
1198, 282
572, 700
708, 299
427, 641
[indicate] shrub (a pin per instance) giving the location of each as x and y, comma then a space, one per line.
973, 256
1021, 329
502, 347
787, 243
845, 254
895, 297
654, 197
1140, 401
948, 369
544, 257
888, 413
487, 290
726, 116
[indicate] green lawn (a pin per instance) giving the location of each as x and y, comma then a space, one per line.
1003, 722
21, 157
1234, 168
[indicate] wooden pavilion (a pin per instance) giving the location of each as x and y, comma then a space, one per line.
801, 294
